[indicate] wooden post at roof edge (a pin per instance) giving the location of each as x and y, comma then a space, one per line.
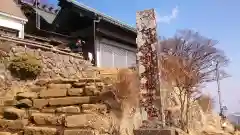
147, 61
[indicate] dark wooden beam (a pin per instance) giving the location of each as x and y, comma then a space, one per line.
117, 36
86, 32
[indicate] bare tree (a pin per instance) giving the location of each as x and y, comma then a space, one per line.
206, 102
187, 63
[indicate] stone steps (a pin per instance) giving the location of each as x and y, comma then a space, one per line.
57, 105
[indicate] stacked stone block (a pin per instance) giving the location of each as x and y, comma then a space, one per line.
57, 107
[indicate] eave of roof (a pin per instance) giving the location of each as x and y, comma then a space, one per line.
103, 16
48, 16
10, 9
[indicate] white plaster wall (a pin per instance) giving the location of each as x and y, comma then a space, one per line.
12, 23
100, 41
97, 51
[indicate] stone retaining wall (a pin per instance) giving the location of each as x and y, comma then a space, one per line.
58, 65
156, 131
57, 107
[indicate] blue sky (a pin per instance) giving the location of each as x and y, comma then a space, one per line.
217, 19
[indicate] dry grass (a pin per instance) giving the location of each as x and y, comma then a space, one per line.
122, 96
127, 86
122, 89
206, 102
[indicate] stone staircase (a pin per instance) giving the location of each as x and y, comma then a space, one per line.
56, 107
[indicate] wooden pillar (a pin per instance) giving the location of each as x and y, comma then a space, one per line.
147, 61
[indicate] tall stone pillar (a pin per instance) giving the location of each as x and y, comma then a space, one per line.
147, 61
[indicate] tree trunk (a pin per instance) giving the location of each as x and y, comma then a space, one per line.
187, 112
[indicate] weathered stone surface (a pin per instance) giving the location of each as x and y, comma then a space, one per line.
42, 82
48, 110
5, 133
69, 109
89, 80
88, 120
13, 124
12, 113
59, 86
37, 88
40, 131
97, 84
30, 95
53, 93
9, 102
75, 91
154, 132
30, 111
63, 81
43, 119
147, 58
78, 84
39, 103
19, 132
93, 108
58, 65
91, 90
69, 101
1, 110
78, 132
24, 103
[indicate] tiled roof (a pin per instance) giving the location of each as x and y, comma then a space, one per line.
9, 7
105, 17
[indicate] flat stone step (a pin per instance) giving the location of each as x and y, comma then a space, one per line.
29, 130
13, 124
12, 113
47, 119
42, 82
78, 132
154, 131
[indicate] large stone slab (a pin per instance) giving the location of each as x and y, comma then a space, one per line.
12, 113
99, 85
90, 80
78, 132
154, 131
42, 82
24, 103
53, 93
91, 90
79, 84
48, 110
37, 88
40, 103
63, 80
69, 109
13, 124
5, 133
30, 95
69, 101
40, 131
59, 86
8, 102
93, 121
47, 119
94, 108
75, 92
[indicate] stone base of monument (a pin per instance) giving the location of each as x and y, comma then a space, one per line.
155, 131
154, 127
